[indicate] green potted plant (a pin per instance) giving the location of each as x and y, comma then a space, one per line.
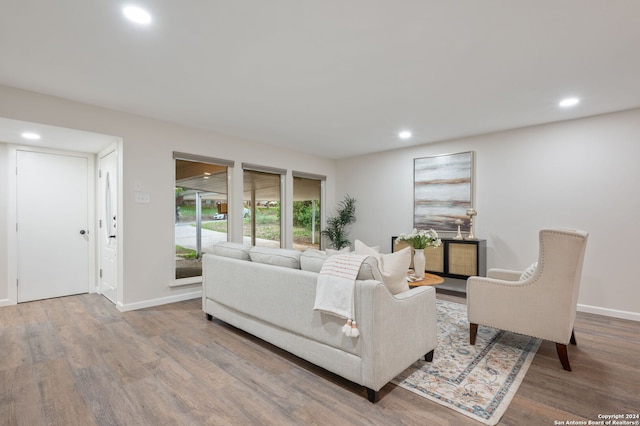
336, 231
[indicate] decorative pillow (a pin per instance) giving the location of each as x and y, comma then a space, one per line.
394, 270
234, 250
362, 248
393, 267
276, 256
312, 260
528, 273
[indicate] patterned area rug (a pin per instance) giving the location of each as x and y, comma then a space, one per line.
478, 381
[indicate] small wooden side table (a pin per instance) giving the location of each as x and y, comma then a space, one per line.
429, 279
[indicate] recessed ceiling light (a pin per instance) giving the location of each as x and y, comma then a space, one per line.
569, 102
405, 134
30, 135
137, 15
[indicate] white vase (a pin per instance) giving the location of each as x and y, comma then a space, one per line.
419, 263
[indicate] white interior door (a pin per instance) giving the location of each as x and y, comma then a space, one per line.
52, 209
108, 220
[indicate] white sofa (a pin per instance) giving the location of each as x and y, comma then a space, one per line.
270, 293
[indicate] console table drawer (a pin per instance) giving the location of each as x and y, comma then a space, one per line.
463, 259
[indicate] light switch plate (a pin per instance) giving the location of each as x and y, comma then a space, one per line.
142, 198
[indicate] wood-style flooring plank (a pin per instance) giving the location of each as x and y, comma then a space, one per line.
10, 317
20, 400
44, 342
63, 403
78, 360
193, 363
14, 348
102, 392
31, 313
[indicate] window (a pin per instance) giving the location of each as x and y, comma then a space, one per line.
307, 191
200, 209
262, 205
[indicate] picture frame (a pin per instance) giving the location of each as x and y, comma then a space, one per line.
443, 191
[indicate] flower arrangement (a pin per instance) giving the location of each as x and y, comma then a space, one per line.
421, 239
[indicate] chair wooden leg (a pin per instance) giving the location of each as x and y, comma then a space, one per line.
563, 355
473, 330
573, 338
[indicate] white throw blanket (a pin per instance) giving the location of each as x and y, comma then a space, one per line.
336, 286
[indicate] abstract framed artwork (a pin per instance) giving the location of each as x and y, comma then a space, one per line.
443, 191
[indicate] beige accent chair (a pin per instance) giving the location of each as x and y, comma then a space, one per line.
540, 302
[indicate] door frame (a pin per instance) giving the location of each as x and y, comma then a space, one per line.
116, 146
12, 237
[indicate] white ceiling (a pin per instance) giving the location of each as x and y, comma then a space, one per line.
333, 78
53, 137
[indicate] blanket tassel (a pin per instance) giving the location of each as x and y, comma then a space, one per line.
346, 329
354, 329
350, 329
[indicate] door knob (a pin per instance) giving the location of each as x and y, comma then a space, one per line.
82, 232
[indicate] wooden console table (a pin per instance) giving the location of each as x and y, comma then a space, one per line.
459, 259
429, 279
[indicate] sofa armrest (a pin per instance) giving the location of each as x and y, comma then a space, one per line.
508, 305
397, 331
412, 292
485, 289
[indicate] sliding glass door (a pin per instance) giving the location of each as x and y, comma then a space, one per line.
262, 208
307, 193
200, 213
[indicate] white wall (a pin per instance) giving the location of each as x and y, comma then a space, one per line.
148, 236
577, 174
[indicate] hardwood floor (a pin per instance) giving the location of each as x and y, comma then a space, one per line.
79, 361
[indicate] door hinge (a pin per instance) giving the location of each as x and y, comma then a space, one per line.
17, 282
100, 173
100, 223
100, 273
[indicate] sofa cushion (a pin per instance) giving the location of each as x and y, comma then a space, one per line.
312, 260
233, 250
276, 256
393, 267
